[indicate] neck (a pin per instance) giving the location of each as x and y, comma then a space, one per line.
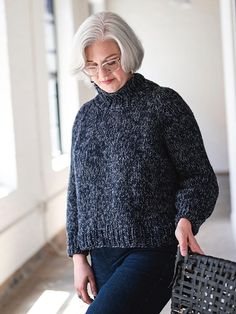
134, 83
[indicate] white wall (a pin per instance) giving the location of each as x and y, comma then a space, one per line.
228, 23
183, 51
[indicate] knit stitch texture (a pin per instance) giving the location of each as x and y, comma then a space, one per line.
138, 165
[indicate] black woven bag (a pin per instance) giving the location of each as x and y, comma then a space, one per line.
203, 284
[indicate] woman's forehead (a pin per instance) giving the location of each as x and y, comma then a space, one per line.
102, 50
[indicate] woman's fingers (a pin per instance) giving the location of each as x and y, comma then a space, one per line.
182, 233
188, 241
85, 296
186, 238
83, 290
83, 293
194, 246
83, 275
183, 243
93, 286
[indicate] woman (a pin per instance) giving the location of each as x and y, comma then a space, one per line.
140, 180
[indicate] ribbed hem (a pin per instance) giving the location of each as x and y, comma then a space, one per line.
143, 234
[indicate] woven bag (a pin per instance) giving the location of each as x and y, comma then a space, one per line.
203, 284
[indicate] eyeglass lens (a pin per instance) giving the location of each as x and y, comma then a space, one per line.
109, 66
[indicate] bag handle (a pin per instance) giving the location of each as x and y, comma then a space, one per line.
179, 259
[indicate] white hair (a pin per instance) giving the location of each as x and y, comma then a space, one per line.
104, 26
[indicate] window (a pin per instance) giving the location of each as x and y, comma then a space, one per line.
7, 141
53, 86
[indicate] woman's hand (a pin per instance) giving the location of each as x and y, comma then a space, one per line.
186, 238
83, 275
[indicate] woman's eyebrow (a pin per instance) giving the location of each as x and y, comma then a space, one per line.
108, 57
111, 56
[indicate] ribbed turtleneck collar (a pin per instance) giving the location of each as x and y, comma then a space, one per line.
134, 84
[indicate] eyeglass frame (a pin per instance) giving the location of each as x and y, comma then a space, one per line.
98, 67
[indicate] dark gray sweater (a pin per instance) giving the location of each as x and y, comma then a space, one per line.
138, 165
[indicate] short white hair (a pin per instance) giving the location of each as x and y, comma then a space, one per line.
105, 26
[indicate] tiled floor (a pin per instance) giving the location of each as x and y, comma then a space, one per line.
50, 289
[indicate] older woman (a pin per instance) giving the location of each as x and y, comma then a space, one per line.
140, 180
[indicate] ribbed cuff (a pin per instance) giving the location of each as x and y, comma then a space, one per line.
70, 253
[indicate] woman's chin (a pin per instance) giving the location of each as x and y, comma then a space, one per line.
109, 86
112, 87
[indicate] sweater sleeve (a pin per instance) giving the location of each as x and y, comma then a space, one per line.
197, 184
72, 210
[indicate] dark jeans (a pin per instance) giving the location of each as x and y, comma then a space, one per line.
132, 281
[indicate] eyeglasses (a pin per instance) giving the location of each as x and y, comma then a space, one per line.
108, 66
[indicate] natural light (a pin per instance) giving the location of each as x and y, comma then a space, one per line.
50, 301
75, 306
54, 302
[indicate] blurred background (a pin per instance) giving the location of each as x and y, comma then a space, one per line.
189, 46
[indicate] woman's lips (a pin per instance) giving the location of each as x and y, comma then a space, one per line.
107, 81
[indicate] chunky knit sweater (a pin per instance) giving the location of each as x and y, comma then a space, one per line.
138, 165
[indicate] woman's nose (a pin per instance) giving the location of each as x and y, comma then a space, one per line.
102, 72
